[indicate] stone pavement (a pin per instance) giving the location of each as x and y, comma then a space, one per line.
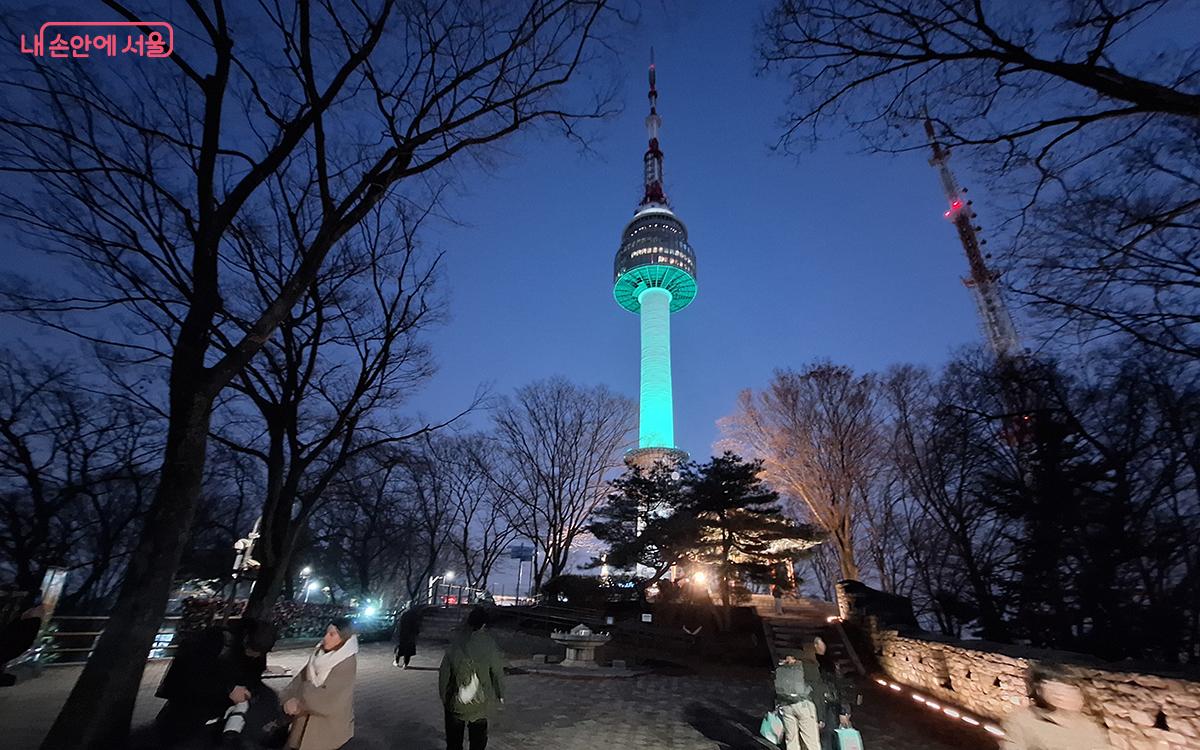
399, 709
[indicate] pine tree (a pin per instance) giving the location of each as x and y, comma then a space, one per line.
643, 523
742, 531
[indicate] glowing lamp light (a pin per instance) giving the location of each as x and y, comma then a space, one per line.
449, 575
970, 721
370, 612
314, 586
699, 576
881, 682
918, 698
895, 687
934, 706
993, 729
951, 713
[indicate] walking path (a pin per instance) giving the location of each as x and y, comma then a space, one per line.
399, 709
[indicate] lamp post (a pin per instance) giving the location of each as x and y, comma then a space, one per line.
433, 581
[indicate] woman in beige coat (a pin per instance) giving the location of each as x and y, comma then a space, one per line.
1055, 721
320, 698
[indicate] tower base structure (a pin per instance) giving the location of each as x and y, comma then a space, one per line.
646, 458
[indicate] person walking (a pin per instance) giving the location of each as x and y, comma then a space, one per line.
408, 627
1056, 719
471, 683
777, 593
833, 710
797, 711
320, 698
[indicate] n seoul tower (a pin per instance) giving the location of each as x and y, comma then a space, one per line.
655, 275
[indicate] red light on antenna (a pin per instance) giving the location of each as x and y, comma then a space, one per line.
956, 205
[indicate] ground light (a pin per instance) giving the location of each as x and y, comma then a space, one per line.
945, 710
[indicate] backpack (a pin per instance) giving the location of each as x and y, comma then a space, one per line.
469, 689
790, 683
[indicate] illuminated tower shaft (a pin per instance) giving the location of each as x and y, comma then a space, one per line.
657, 417
983, 282
655, 276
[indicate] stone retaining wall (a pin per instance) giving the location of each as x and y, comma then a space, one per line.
1143, 711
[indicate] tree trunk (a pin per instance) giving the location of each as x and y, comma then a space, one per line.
267, 588
275, 529
99, 709
844, 537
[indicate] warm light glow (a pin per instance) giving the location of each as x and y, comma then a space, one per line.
934, 706
699, 576
833, 618
881, 682
895, 687
970, 721
994, 729
918, 698
951, 713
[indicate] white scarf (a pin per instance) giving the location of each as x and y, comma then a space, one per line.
322, 662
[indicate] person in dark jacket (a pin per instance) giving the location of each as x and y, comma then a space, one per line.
833, 711
471, 683
215, 670
408, 627
17, 637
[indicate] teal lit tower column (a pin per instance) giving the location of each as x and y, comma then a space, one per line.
655, 276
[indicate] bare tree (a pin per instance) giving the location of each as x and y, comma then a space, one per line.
363, 533
75, 477
326, 387
818, 435
942, 441
143, 177
1084, 123
482, 532
429, 510
557, 442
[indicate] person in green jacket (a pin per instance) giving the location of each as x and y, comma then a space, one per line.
471, 683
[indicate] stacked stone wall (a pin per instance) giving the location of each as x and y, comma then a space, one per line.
1142, 710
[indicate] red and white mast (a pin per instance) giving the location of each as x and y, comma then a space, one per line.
983, 282
653, 159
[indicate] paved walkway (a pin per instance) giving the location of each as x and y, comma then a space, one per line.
399, 709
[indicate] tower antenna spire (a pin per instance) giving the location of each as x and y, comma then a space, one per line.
983, 282
653, 178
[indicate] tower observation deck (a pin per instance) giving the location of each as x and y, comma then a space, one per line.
655, 275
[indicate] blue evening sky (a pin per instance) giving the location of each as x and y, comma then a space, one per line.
838, 254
